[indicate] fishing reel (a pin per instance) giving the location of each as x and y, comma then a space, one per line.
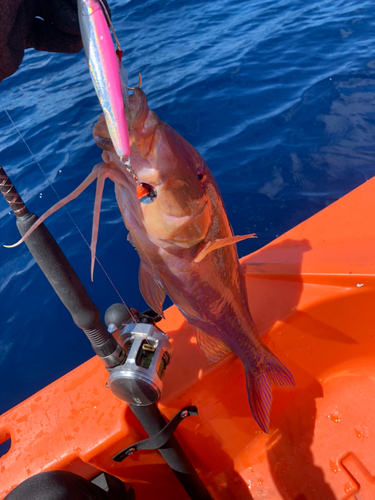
138, 381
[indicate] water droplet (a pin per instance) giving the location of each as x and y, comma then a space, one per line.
348, 488
362, 432
334, 466
335, 417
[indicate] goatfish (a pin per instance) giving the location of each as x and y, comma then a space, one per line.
172, 207
105, 70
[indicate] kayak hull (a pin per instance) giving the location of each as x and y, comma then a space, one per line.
311, 293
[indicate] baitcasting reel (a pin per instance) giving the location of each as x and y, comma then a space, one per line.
139, 380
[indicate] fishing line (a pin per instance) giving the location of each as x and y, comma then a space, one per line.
106, 13
67, 212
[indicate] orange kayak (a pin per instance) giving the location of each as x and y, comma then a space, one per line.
312, 294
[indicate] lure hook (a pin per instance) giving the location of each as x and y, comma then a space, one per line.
139, 83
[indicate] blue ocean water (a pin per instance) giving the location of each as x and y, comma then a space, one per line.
278, 96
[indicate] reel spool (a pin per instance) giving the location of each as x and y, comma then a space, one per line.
138, 381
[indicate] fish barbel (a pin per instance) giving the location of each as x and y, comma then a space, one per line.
105, 71
185, 244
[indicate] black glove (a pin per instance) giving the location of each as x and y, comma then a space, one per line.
48, 25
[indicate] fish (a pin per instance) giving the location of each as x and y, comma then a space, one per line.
175, 215
105, 70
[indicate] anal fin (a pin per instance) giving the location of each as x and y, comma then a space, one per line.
213, 348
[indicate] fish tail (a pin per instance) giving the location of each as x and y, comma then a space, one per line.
259, 388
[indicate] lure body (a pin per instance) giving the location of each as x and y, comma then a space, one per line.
105, 72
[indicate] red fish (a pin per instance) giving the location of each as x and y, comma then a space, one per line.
176, 219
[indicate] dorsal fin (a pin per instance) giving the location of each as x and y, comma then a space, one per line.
74, 194
99, 172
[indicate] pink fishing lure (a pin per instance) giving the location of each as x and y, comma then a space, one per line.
105, 72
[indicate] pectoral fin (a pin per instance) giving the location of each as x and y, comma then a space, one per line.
151, 288
213, 348
214, 245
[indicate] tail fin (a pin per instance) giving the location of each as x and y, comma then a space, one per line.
260, 391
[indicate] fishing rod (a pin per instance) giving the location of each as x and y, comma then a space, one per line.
136, 366
62, 277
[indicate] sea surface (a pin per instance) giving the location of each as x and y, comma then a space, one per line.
278, 96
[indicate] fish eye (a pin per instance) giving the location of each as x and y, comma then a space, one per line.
146, 193
202, 176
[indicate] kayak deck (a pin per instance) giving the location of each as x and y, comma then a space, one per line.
311, 293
